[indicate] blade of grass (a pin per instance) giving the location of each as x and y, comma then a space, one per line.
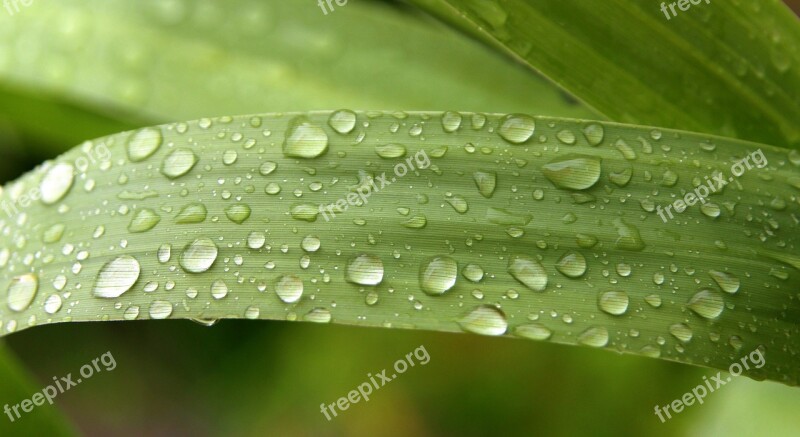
534, 227
728, 68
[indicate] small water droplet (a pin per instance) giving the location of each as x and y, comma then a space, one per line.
178, 163
594, 336
614, 302
21, 291
143, 143
707, 303
160, 309
533, 331
144, 220
343, 121
199, 255
681, 331
728, 282
573, 172
528, 272
56, 183
572, 265
365, 269
289, 288
517, 128
437, 275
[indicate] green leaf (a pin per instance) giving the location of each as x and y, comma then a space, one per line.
728, 68
158, 62
526, 226
15, 386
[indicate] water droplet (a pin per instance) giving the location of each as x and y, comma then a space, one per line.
390, 151
653, 300
192, 213
238, 213
160, 309
573, 172
365, 269
614, 302
343, 121
486, 182
131, 313
305, 211
416, 222
566, 136
710, 210
219, 289
144, 220
533, 331
595, 337
437, 275
267, 168
56, 183
473, 272
21, 291
289, 288
310, 243
52, 304
572, 265
517, 128
178, 163
485, 320
458, 203
252, 312
318, 315
594, 133
728, 282
199, 255
707, 303
451, 121
229, 157
53, 233
681, 331
528, 272
116, 277
304, 139
628, 237
143, 143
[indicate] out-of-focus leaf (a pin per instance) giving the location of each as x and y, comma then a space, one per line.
728, 68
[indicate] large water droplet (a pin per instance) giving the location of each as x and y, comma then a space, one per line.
451, 121
192, 213
528, 272
57, 182
144, 143
343, 121
238, 213
304, 139
517, 128
289, 288
438, 274
390, 151
707, 303
178, 163
116, 277
310, 243
199, 255
21, 291
681, 331
614, 302
52, 304
573, 172
160, 309
595, 336
533, 331
486, 182
571, 265
728, 282
365, 269
144, 220
628, 237
485, 320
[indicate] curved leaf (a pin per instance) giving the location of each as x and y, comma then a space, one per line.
525, 226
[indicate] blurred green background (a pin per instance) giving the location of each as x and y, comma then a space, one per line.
269, 378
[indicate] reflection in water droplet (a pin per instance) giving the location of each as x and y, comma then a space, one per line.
571, 265
289, 288
573, 172
116, 277
21, 291
706, 303
219, 289
614, 302
199, 255
485, 320
365, 269
343, 121
528, 272
56, 183
595, 336
178, 163
437, 275
304, 139
144, 143
728, 282
517, 128
681, 331
160, 309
